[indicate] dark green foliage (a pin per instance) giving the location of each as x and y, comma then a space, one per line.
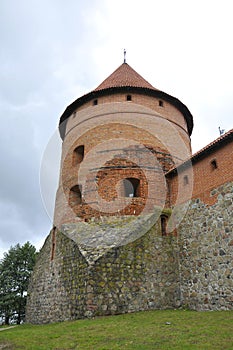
15, 271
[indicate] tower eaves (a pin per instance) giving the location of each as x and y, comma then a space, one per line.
125, 78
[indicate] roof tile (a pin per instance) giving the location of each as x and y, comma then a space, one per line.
124, 76
227, 137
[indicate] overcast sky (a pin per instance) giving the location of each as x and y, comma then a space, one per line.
53, 51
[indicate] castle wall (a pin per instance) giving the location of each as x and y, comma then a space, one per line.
47, 298
206, 250
204, 175
193, 269
206, 230
140, 275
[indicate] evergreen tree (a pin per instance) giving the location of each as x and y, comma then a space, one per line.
15, 270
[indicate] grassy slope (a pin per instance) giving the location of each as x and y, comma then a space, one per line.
143, 330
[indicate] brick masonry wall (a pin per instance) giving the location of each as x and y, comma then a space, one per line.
122, 121
203, 178
167, 110
133, 114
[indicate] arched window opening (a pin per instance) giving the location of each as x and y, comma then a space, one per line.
75, 196
78, 155
131, 187
163, 221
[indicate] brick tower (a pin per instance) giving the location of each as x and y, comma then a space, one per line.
108, 251
118, 141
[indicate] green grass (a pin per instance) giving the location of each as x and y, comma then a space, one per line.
139, 331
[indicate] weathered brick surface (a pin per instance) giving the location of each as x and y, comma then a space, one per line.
203, 177
168, 111
116, 129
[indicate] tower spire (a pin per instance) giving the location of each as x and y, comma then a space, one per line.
124, 55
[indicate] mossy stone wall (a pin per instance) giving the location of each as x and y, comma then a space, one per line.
140, 275
193, 269
206, 253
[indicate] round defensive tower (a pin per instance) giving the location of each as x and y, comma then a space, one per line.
109, 252
118, 142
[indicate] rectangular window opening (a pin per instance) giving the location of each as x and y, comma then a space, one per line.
75, 195
131, 187
214, 164
163, 219
78, 155
186, 180
53, 243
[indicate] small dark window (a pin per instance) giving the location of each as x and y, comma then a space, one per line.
163, 225
129, 98
78, 155
186, 180
53, 243
160, 103
214, 164
131, 187
95, 102
75, 196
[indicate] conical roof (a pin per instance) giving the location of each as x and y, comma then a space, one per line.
124, 76
124, 79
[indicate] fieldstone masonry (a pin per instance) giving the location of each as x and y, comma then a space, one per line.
206, 253
140, 275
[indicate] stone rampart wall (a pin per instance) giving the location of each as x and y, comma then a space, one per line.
206, 253
140, 275
194, 269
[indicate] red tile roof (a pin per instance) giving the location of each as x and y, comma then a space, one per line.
124, 76
124, 79
212, 146
227, 136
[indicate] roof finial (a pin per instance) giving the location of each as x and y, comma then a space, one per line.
221, 131
124, 55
